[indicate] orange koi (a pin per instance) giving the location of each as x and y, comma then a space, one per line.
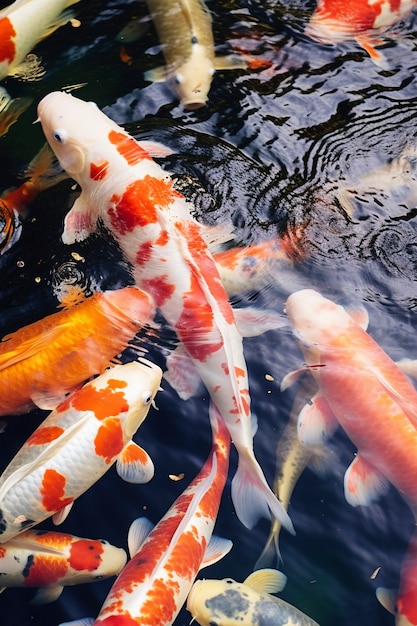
42, 362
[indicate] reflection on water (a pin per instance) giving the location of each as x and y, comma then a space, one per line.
316, 142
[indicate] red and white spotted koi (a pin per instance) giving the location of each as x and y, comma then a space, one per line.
364, 20
151, 221
153, 586
23, 24
76, 445
53, 560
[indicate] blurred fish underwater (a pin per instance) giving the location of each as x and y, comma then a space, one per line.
312, 145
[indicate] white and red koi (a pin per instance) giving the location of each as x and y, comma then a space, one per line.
22, 25
365, 392
151, 221
363, 20
153, 586
76, 445
53, 560
42, 362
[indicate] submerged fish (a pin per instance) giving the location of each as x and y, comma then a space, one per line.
334, 21
22, 25
229, 603
52, 560
10, 110
185, 32
76, 444
154, 584
151, 221
42, 362
379, 415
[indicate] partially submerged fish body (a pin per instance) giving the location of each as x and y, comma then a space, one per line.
53, 560
151, 221
153, 586
185, 31
42, 362
231, 603
10, 110
23, 24
364, 20
76, 445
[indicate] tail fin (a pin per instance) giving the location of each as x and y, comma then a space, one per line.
253, 498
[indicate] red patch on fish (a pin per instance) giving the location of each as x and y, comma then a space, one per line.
144, 253
44, 434
3, 552
159, 288
45, 570
102, 402
128, 147
53, 491
108, 442
86, 555
98, 170
137, 207
359, 15
117, 620
7, 45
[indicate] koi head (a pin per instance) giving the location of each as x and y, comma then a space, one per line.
192, 80
90, 560
225, 602
73, 129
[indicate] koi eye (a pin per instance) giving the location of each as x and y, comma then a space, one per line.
60, 135
147, 397
229, 581
178, 79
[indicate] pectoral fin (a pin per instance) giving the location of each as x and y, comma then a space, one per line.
134, 465
61, 515
217, 548
47, 594
182, 374
363, 482
230, 62
80, 222
138, 532
266, 580
316, 421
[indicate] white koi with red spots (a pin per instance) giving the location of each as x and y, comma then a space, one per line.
136, 201
53, 560
76, 445
153, 586
23, 24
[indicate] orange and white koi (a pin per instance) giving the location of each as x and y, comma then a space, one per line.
335, 20
153, 586
185, 31
379, 415
151, 221
42, 362
76, 444
22, 25
53, 560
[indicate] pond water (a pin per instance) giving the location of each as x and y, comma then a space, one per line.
316, 142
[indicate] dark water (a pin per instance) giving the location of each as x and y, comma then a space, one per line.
277, 150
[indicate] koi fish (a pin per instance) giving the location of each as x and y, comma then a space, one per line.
230, 603
52, 560
154, 584
185, 32
334, 21
22, 25
76, 444
10, 110
379, 415
152, 223
42, 362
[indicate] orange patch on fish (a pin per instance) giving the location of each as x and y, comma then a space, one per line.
86, 555
108, 442
187, 555
7, 45
159, 288
3, 552
98, 170
44, 434
45, 571
53, 491
102, 402
129, 149
153, 611
117, 620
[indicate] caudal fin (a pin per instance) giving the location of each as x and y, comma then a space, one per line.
252, 496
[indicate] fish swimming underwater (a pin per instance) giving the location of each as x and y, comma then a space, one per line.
151, 221
53, 560
185, 32
229, 603
379, 415
22, 25
364, 20
42, 362
76, 444
154, 584
10, 110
